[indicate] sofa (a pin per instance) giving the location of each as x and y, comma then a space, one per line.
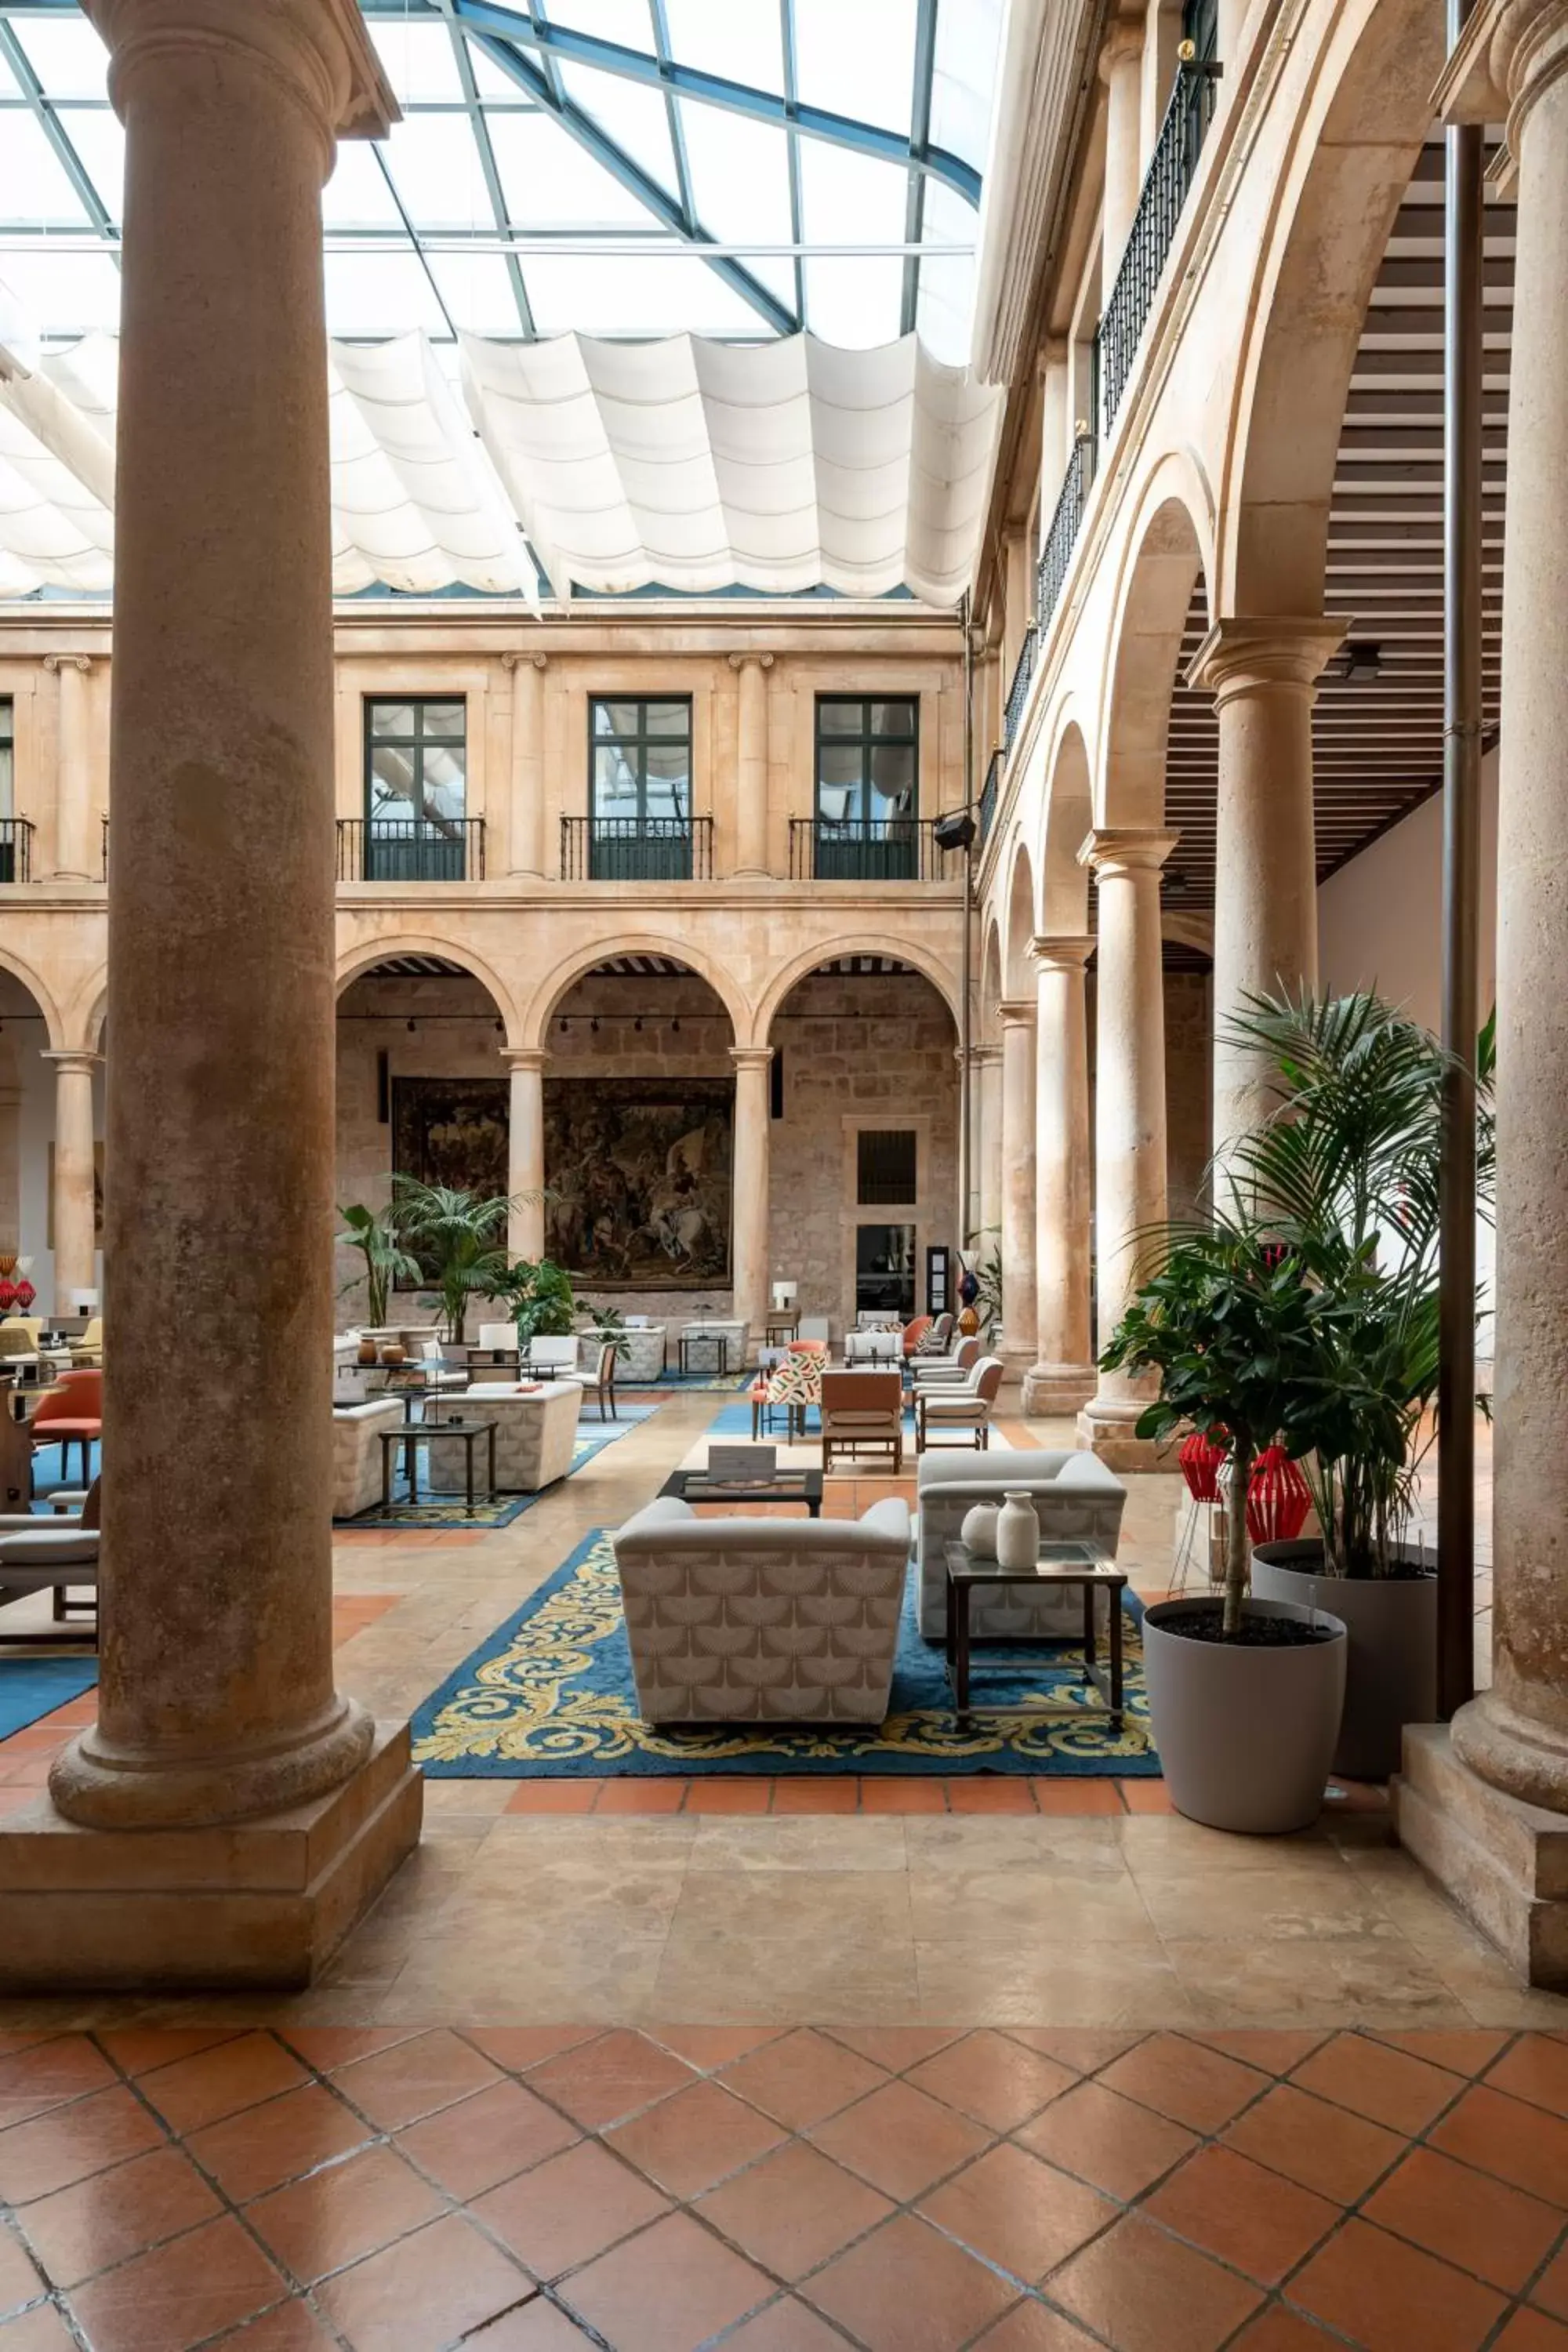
356, 1453
536, 1429
1077, 1499
762, 1620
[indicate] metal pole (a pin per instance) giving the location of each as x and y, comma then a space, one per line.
1462, 408
965, 1015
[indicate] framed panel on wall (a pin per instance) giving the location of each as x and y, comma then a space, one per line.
639, 1173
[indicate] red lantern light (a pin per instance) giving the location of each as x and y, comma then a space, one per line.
1200, 1458
1279, 1499
26, 1293
7, 1296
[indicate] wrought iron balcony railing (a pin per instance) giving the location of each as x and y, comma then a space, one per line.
15, 849
1019, 692
1171, 173
1062, 536
636, 849
884, 849
989, 792
410, 849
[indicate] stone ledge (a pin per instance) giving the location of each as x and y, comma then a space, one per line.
1114, 1444
252, 1904
1505, 1864
1053, 1389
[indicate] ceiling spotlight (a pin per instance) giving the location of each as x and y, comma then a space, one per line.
500, 1028
594, 1024
412, 1026
637, 1022
563, 1025
675, 1025
1357, 664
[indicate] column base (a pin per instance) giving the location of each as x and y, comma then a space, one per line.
258, 1903
1504, 1862
1107, 1429
1051, 1389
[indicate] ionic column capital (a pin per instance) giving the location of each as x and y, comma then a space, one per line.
738, 661
1051, 951
1118, 852
319, 50
57, 662
752, 1057
1016, 1013
73, 1061
525, 1057
512, 660
1241, 656
1509, 55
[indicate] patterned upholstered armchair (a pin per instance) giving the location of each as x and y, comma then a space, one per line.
762, 1620
356, 1453
536, 1429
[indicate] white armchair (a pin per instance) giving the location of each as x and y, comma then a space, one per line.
1078, 1500
951, 1371
536, 1429
550, 1355
57, 1555
356, 1453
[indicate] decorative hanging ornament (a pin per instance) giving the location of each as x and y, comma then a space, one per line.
1200, 1458
7, 1295
26, 1293
1279, 1499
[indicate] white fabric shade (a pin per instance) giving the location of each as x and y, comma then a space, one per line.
694, 465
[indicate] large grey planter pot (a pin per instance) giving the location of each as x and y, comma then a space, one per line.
1391, 1676
1245, 1736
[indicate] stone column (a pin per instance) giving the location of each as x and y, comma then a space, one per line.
216, 1704
1064, 1377
77, 858
750, 853
1161, 45
1056, 429
1121, 71
1485, 1806
525, 1149
525, 804
76, 1240
987, 1062
1017, 1246
749, 1217
1130, 1112
1263, 676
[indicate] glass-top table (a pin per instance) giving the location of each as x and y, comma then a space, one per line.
1083, 1565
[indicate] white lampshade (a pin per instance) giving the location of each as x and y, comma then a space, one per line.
785, 1295
84, 1302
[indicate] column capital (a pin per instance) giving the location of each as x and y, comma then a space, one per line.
319, 50
1240, 656
1053, 951
57, 662
513, 660
1116, 851
1509, 55
1123, 42
738, 661
524, 1058
76, 1060
1017, 1012
752, 1057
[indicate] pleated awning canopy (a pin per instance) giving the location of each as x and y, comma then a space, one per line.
689, 463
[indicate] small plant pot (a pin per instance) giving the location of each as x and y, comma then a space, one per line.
1245, 1734
1391, 1674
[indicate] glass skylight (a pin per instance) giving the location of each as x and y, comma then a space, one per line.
739, 168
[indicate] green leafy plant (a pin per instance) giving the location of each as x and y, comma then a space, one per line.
458, 1241
374, 1234
537, 1294
985, 1264
606, 1323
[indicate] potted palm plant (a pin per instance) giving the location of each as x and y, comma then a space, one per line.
457, 1240
537, 1294
1245, 1695
1345, 1173
374, 1234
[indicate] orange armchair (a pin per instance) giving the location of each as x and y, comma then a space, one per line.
71, 1408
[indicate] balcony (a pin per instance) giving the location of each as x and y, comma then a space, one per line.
1019, 692
1172, 171
636, 849
15, 849
989, 792
410, 849
888, 849
1050, 578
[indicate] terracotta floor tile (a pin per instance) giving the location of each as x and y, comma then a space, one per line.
668, 2290
737, 1796
424, 2292
1080, 2049
44, 2330
397, 2087
343, 2213
482, 2141
1322, 2146
250, 2153
1508, 2138
221, 2082
1144, 2293
534, 2326
287, 2327
803, 2078
1536, 2069
1468, 2052
800, 1794
909, 2289
520, 2047
1481, 2224
894, 2046
903, 1795
1019, 2213
1279, 2330
1550, 2292
326, 2047
1271, 2049
555, 1796
992, 2079
179, 2293
1076, 1800
1011, 1795
1030, 2326
1110, 2142
641, 1796
137, 2049
1186, 2082
34, 2080
1251, 2217
708, 2047
786, 2325
1531, 2331
901, 2140
686, 2143
1391, 2297
793, 2210
19, 2280
83, 2230
569, 2208
1387, 2086
602, 2081
1146, 1795
70, 2142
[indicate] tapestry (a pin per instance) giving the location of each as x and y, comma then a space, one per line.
638, 1171
450, 1131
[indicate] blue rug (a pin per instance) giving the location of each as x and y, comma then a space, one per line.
31, 1689
550, 1695
725, 1382
447, 1510
48, 1469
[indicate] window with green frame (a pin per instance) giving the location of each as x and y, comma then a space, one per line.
868, 788
8, 757
416, 788
640, 787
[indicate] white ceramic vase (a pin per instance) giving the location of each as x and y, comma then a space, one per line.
979, 1530
1017, 1532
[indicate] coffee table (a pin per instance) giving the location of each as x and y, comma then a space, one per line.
717, 1341
416, 1433
785, 1487
1083, 1564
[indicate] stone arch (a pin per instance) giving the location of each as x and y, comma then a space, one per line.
353, 962
542, 1004
1167, 558
986, 1027
87, 1029
1017, 971
918, 959
1069, 818
1354, 147
54, 1023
